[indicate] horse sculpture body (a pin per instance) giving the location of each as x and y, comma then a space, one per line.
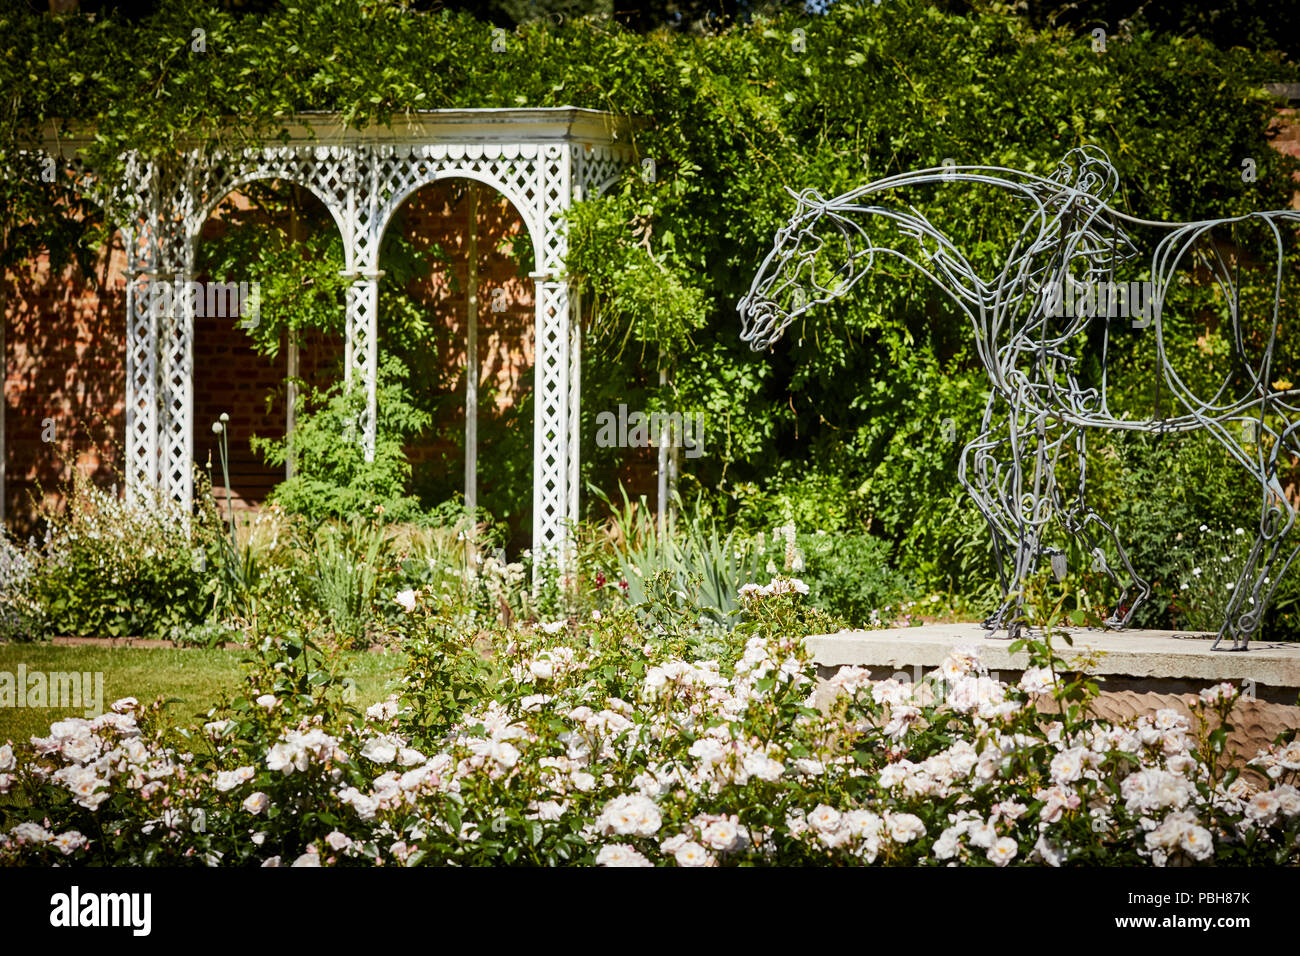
1039, 408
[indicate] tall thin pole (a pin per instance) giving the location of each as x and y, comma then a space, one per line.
4, 372
471, 355
663, 463
291, 356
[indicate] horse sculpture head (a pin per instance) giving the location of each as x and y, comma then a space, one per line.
823, 250
815, 258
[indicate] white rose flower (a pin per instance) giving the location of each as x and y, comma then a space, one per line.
824, 819
228, 780
904, 827
69, 842
541, 669
380, 749
1263, 808
31, 833
255, 803
1049, 852
982, 835
948, 843
620, 854
406, 599
7, 761
217, 728
1003, 851
1197, 843
692, 854
763, 767
1067, 766
383, 711
1289, 757
673, 844
1037, 680
409, 756
723, 835
630, 815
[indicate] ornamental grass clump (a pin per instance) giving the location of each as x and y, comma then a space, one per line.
584, 744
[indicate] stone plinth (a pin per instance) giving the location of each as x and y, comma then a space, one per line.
1138, 671
1158, 661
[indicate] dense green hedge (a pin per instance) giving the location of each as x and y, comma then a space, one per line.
840, 426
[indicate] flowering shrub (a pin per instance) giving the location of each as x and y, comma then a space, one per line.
594, 747
1208, 566
106, 567
21, 617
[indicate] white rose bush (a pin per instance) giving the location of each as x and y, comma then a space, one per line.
591, 744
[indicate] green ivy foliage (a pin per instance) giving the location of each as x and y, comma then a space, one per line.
857, 396
332, 478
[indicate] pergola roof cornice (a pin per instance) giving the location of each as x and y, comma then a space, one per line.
540, 125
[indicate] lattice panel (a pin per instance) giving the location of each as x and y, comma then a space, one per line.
325, 171
573, 447
176, 434
556, 192
510, 168
140, 195
550, 419
363, 353
141, 381
598, 168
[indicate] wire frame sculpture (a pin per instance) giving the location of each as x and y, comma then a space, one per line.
1043, 319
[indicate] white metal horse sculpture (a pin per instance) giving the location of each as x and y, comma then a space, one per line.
1026, 326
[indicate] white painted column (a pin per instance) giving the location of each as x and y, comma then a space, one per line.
291, 357
4, 373
362, 348
550, 419
141, 381
471, 353
176, 434
661, 489
574, 445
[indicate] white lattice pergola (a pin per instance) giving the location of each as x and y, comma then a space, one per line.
540, 159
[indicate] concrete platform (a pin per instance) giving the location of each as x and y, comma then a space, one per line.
1163, 662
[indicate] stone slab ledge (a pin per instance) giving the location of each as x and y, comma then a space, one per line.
1169, 661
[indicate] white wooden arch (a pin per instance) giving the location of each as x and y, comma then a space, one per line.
542, 160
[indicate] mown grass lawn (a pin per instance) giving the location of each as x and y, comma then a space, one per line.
195, 678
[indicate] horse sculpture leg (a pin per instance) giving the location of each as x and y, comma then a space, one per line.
1125, 607
1255, 583
983, 491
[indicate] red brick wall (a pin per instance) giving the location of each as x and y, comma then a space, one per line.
230, 377
65, 357
1286, 139
437, 216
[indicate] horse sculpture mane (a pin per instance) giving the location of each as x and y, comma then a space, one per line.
1038, 408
